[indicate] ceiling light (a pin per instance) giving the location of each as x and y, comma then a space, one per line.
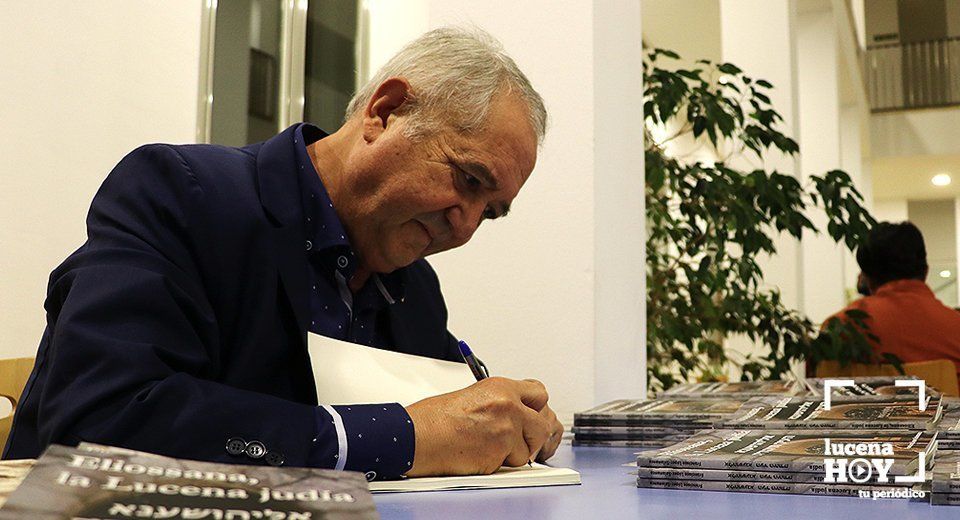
940, 179
945, 273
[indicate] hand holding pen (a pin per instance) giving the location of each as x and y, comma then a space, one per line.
477, 429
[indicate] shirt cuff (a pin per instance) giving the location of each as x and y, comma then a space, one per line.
376, 439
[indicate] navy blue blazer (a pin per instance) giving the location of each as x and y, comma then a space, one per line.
181, 322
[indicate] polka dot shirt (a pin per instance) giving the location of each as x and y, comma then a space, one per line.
375, 439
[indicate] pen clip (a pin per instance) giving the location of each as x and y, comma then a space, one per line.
482, 366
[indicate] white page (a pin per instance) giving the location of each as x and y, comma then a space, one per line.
347, 373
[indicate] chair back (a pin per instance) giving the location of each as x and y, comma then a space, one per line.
13, 377
940, 374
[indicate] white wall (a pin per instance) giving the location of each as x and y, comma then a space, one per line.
890, 210
937, 221
83, 84
555, 291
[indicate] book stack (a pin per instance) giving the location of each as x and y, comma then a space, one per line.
649, 424
780, 461
948, 429
810, 413
945, 485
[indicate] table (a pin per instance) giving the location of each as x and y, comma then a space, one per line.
608, 491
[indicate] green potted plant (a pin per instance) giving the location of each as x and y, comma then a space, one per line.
710, 220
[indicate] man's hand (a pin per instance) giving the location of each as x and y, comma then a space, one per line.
476, 430
553, 440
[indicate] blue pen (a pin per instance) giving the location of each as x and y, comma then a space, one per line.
476, 366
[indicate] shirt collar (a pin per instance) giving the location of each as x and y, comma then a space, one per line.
325, 233
323, 226
912, 286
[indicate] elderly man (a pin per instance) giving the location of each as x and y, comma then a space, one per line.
180, 326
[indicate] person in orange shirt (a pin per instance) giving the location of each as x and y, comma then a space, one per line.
907, 318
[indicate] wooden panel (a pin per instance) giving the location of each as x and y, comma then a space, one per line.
13, 377
940, 374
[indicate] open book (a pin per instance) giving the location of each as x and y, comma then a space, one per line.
343, 372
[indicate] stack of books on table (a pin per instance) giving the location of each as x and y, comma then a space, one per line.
649, 424
948, 429
945, 485
782, 461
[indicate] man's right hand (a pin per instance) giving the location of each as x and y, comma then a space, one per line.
472, 431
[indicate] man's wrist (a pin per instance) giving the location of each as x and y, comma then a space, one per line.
380, 439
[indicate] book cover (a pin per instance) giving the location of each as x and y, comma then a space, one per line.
72, 483
662, 412
949, 424
867, 388
737, 388
779, 450
802, 413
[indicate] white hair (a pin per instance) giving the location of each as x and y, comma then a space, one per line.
454, 74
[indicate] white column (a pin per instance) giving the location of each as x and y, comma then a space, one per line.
745, 24
620, 235
853, 161
819, 97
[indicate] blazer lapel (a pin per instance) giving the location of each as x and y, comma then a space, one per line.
280, 197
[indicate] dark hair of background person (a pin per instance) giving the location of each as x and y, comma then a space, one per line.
893, 252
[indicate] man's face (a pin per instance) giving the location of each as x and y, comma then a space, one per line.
404, 199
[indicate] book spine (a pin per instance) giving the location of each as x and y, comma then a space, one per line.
945, 486
824, 425
729, 475
945, 499
651, 460
753, 487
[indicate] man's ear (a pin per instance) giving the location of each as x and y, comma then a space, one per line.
386, 100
